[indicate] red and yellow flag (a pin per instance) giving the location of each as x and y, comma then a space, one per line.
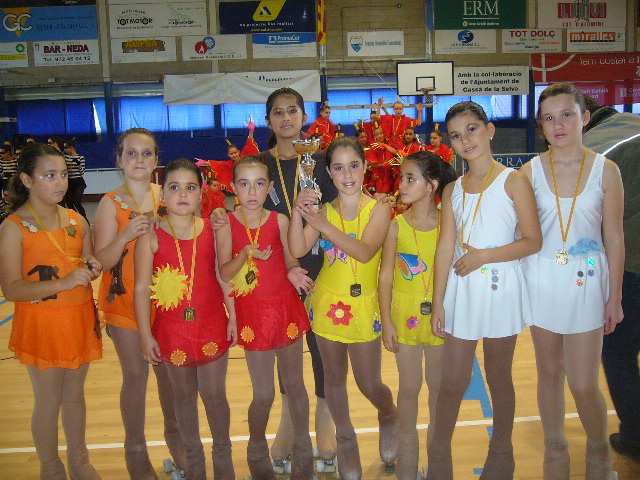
321, 22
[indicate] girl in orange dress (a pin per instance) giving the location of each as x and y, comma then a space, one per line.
122, 216
46, 269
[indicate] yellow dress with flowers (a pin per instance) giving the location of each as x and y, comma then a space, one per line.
413, 270
336, 314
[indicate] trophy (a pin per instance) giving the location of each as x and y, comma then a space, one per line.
307, 147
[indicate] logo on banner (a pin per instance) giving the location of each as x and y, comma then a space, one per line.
268, 10
356, 42
465, 37
584, 10
16, 20
133, 17
207, 43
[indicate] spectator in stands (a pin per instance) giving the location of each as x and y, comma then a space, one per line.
75, 169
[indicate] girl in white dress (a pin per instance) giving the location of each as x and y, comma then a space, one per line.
575, 281
479, 287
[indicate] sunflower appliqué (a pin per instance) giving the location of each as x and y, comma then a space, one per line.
247, 335
168, 287
178, 358
412, 322
245, 280
292, 331
210, 349
340, 313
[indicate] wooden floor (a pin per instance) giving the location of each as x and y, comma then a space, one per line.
105, 435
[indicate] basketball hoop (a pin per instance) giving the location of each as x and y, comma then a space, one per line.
428, 96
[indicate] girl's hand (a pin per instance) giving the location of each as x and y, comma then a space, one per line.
307, 198
232, 332
80, 277
437, 321
258, 254
94, 266
299, 279
314, 217
139, 225
219, 218
613, 315
389, 337
470, 261
150, 349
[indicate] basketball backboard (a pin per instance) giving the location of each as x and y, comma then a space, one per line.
415, 77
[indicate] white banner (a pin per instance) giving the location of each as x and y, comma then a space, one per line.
601, 40
284, 45
13, 55
214, 47
240, 87
157, 19
465, 41
500, 80
133, 50
383, 43
582, 14
532, 40
66, 52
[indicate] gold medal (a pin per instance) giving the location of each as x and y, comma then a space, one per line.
250, 277
189, 314
355, 290
425, 305
562, 257
71, 230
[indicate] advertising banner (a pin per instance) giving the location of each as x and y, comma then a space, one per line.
284, 45
582, 14
498, 80
134, 50
448, 15
265, 16
531, 40
20, 24
66, 52
465, 41
157, 19
382, 43
13, 55
600, 40
585, 67
214, 47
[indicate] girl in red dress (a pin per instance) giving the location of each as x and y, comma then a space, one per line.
271, 318
191, 332
322, 127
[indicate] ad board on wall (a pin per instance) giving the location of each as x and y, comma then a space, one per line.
465, 41
50, 22
382, 43
532, 40
448, 15
585, 67
239, 16
582, 14
214, 47
134, 50
157, 19
13, 55
498, 80
596, 40
284, 45
66, 52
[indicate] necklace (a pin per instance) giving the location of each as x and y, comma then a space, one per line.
284, 186
355, 289
136, 207
425, 305
189, 313
250, 276
485, 183
69, 230
562, 256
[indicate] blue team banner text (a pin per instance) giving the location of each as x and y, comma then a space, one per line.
267, 16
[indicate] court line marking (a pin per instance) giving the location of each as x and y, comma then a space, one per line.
270, 436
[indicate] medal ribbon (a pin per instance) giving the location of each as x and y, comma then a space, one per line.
136, 207
50, 236
353, 263
284, 186
485, 183
426, 283
253, 239
193, 256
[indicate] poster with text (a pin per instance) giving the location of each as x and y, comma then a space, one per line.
214, 47
448, 15
265, 16
585, 67
465, 41
499, 80
596, 40
66, 52
531, 40
13, 55
582, 14
284, 45
157, 19
382, 43
134, 50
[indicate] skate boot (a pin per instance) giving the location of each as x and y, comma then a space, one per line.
556, 460
171, 469
53, 470
325, 453
259, 461
222, 462
79, 466
388, 443
598, 462
498, 465
302, 460
177, 461
282, 446
349, 467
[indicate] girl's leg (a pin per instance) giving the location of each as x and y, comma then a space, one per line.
47, 392
582, 360
335, 361
433, 375
171, 432
409, 362
366, 362
74, 423
551, 372
498, 360
184, 382
457, 355
135, 372
260, 365
290, 363
211, 385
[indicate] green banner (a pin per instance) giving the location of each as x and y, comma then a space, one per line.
454, 14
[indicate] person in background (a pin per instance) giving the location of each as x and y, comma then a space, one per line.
437, 146
379, 175
76, 168
361, 138
371, 125
322, 127
410, 143
395, 125
8, 163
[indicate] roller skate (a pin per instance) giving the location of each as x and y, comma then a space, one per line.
325, 454
598, 462
282, 446
53, 470
171, 469
388, 443
80, 468
258, 460
222, 462
302, 460
349, 467
556, 460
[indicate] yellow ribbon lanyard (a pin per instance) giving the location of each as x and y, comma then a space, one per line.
136, 207
355, 289
562, 256
253, 239
284, 186
50, 236
485, 183
189, 312
426, 283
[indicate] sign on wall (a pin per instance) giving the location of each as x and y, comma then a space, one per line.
531, 40
13, 55
596, 40
465, 41
585, 67
499, 80
157, 19
134, 50
66, 52
51, 22
214, 47
267, 16
375, 44
582, 14
284, 45
448, 15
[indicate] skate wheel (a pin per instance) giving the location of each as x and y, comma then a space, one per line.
389, 468
177, 475
168, 465
281, 466
326, 465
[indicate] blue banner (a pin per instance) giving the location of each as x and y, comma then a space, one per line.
513, 160
267, 16
19, 24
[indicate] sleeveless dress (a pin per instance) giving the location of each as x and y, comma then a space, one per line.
569, 298
203, 339
413, 327
115, 299
491, 301
272, 315
61, 330
334, 313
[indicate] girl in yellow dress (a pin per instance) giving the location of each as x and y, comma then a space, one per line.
343, 307
406, 289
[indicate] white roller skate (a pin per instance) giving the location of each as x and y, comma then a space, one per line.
325, 460
282, 446
172, 470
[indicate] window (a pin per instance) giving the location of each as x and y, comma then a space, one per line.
349, 97
56, 117
237, 115
497, 107
190, 117
151, 113
635, 108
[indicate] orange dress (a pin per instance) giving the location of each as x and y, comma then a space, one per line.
61, 330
